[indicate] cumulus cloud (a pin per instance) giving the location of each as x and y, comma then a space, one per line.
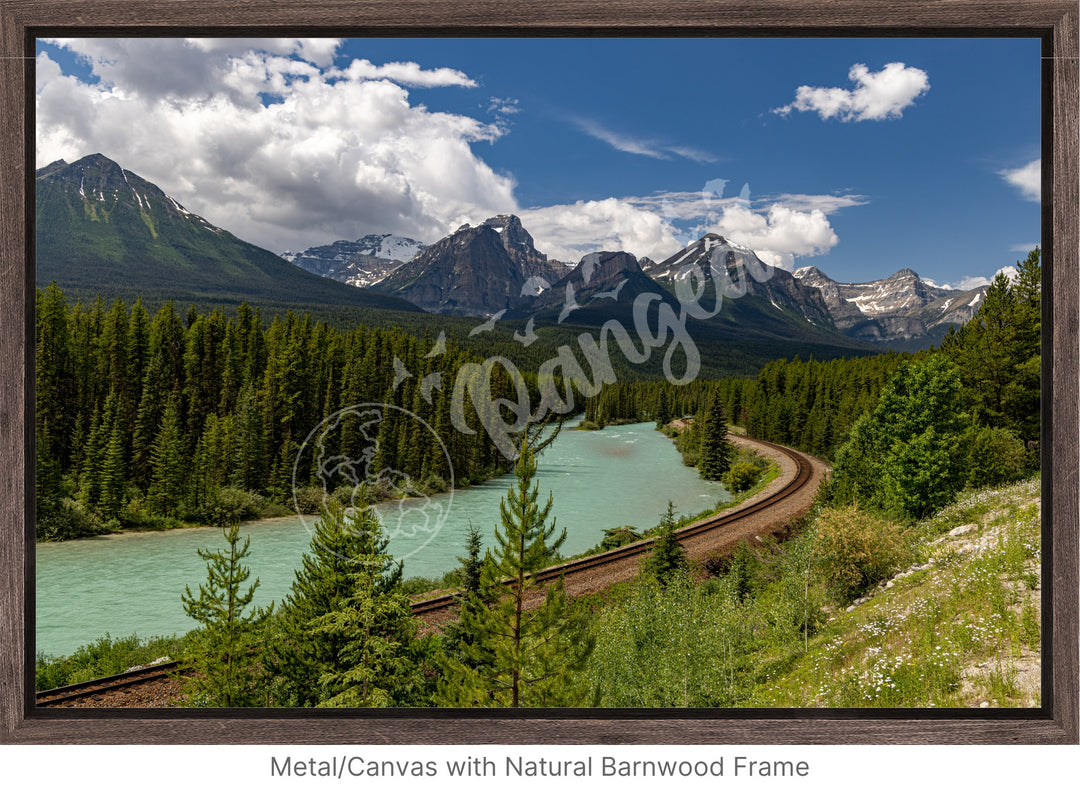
1027, 178
876, 96
660, 225
568, 232
270, 146
275, 143
967, 283
778, 234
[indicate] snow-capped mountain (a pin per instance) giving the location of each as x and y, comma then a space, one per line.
901, 310
741, 273
359, 263
900, 307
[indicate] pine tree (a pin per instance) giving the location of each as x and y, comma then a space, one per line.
377, 628
168, 463
226, 673
526, 654
906, 456
716, 450
667, 559
334, 573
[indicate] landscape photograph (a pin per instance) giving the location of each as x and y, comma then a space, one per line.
538, 373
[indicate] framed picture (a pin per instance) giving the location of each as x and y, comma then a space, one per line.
693, 275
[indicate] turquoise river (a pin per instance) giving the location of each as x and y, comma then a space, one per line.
131, 583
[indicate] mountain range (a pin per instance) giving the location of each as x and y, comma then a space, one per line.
103, 229
494, 268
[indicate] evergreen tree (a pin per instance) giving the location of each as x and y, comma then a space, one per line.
226, 673
113, 465
998, 353
906, 457
337, 572
667, 559
526, 654
716, 450
168, 463
455, 637
377, 627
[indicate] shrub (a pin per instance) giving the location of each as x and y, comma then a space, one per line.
102, 658
68, 519
742, 476
309, 499
854, 550
227, 505
996, 457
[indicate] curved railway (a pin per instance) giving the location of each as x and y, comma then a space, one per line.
581, 575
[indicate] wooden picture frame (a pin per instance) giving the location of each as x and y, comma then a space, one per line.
1053, 21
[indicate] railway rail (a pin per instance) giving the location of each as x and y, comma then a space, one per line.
117, 684
711, 532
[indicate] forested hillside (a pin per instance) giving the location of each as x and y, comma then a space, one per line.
151, 420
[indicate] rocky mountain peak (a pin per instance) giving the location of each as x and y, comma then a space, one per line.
515, 237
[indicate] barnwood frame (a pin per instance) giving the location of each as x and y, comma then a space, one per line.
1053, 21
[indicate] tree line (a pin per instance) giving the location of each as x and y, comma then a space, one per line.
149, 420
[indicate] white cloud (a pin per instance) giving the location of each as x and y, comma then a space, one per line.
1027, 178
284, 151
877, 95
650, 226
964, 284
406, 73
779, 234
968, 283
334, 153
1024, 248
568, 232
641, 146
503, 106
826, 203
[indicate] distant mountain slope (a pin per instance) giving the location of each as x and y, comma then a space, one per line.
900, 307
103, 229
359, 263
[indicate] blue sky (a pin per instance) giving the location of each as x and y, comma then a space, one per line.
925, 156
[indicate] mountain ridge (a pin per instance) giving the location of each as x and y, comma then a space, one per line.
102, 228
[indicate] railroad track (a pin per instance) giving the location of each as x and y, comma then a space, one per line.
804, 472
116, 684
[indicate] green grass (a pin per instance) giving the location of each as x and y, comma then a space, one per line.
946, 636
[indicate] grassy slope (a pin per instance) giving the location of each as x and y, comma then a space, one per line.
959, 628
